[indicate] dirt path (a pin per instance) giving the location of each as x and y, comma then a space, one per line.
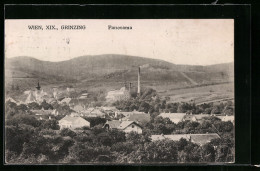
191, 80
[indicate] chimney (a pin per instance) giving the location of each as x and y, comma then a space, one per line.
139, 89
130, 87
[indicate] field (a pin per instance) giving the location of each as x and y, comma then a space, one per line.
199, 94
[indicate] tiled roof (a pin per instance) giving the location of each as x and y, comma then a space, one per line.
226, 118
138, 118
132, 113
78, 108
188, 117
202, 139
201, 116
175, 137
113, 124
42, 112
125, 124
73, 120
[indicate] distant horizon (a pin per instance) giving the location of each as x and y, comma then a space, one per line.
178, 41
115, 55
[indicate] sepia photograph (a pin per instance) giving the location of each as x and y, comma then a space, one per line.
119, 91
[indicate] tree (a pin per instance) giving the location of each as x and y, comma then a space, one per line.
207, 153
224, 126
117, 136
46, 105
16, 136
50, 124
86, 153
34, 106
67, 132
123, 147
161, 151
98, 129
191, 127
144, 107
23, 119
22, 107
133, 138
104, 139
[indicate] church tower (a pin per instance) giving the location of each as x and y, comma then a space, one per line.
38, 86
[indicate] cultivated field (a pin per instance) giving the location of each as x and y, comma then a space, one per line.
200, 94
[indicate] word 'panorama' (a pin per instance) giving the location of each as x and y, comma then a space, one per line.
119, 27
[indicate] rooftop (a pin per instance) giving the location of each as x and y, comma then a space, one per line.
174, 117
200, 139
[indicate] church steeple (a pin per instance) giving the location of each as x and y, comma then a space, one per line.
38, 86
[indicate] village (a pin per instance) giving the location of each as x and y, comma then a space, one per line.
127, 121
150, 95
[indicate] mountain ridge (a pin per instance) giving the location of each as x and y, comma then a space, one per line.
84, 56
116, 68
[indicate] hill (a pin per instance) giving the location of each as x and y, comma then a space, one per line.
112, 69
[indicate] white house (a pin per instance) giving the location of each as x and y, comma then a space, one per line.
65, 101
130, 126
84, 96
126, 126
73, 122
227, 118
114, 95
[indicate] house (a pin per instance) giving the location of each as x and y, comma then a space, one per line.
78, 108
43, 114
9, 99
109, 108
174, 117
189, 117
93, 112
130, 126
114, 95
125, 126
36, 96
130, 113
84, 96
70, 90
73, 122
138, 118
200, 139
65, 100
200, 117
51, 100
175, 137
227, 118
30, 98
55, 112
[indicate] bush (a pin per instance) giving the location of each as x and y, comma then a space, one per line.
67, 132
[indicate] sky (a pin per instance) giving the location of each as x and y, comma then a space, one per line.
179, 41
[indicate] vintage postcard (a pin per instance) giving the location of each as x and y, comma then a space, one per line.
119, 91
